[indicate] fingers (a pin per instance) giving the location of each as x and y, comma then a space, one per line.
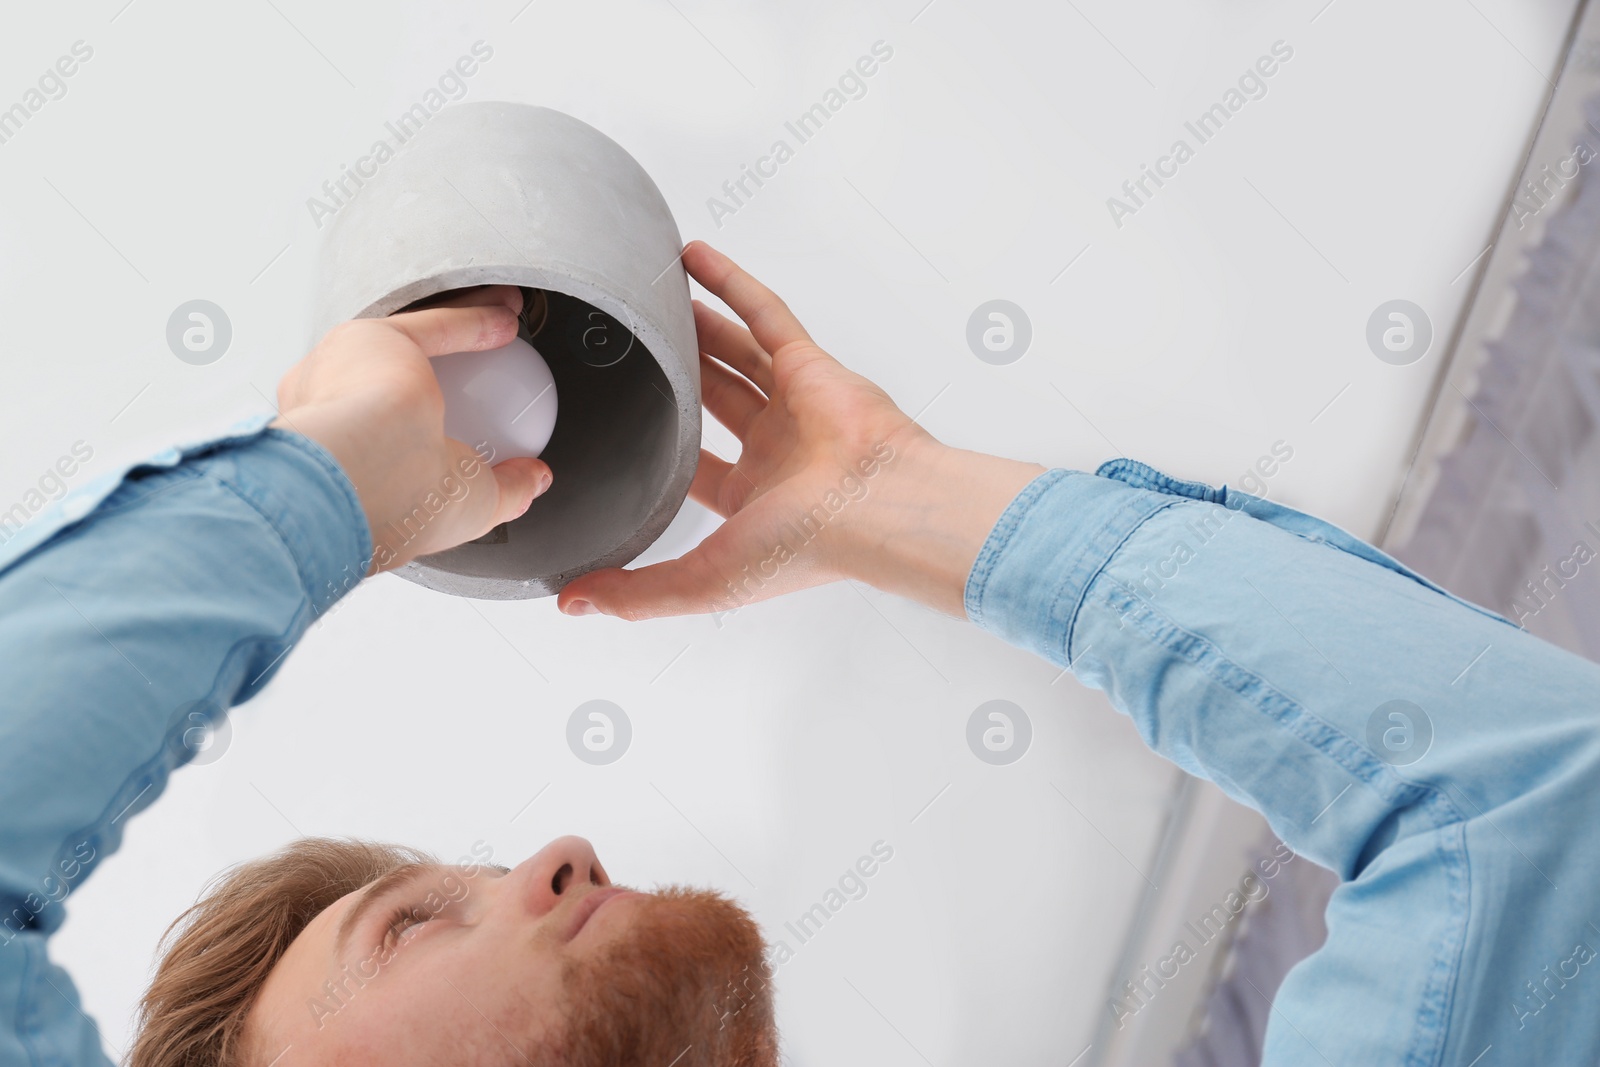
731, 399
709, 476
520, 481
731, 343
441, 331
488, 497
476, 296
771, 322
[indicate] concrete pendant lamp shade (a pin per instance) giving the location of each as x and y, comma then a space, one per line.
504, 193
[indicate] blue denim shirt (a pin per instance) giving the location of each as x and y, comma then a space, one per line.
1252, 645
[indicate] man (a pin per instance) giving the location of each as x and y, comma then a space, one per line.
1265, 655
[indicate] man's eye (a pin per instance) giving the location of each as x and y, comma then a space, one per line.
403, 921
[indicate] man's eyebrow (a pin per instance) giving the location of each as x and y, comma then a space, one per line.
406, 874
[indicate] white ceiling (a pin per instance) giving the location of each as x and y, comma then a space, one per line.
770, 752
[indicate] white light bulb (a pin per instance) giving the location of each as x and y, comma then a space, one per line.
504, 397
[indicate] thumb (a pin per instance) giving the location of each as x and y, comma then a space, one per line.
520, 482
685, 586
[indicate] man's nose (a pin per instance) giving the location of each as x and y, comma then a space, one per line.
555, 872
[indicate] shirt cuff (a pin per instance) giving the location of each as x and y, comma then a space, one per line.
1029, 579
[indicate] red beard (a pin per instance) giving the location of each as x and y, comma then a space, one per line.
686, 986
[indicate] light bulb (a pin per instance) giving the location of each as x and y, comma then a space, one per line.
502, 399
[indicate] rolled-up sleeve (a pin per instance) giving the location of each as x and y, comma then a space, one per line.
1431, 753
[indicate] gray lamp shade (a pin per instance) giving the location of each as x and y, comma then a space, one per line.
506, 193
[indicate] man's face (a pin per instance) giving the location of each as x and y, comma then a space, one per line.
490, 966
